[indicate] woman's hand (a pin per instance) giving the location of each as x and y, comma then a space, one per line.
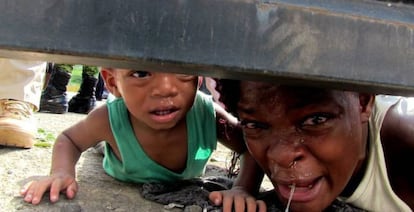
238, 200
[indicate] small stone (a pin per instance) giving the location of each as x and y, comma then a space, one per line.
71, 208
173, 205
193, 208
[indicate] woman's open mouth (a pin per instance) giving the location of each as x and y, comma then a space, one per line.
304, 190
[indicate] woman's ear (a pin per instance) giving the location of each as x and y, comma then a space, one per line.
366, 103
108, 75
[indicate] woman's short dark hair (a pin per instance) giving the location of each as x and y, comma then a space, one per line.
229, 94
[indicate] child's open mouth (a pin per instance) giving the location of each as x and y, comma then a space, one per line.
163, 112
164, 115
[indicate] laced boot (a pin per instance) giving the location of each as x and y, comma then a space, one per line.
17, 125
54, 99
85, 100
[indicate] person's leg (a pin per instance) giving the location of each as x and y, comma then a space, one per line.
49, 71
54, 98
85, 100
99, 88
21, 84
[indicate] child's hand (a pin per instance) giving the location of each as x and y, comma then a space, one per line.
238, 197
34, 190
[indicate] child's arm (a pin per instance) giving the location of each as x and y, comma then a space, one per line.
67, 149
250, 176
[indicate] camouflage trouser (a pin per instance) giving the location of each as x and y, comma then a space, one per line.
91, 70
88, 70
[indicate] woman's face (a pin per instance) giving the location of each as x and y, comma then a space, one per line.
308, 138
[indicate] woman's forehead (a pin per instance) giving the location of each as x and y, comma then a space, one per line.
293, 96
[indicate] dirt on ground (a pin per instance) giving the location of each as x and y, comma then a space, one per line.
98, 191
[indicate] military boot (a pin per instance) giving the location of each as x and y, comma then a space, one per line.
85, 100
54, 99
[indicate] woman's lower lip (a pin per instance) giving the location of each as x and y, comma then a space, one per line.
301, 194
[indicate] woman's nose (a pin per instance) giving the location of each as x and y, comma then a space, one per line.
286, 152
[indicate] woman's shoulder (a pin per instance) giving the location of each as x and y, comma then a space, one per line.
398, 124
397, 138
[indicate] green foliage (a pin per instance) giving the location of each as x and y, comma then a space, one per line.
76, 77
44, 138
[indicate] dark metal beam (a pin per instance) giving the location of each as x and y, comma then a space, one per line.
348, 44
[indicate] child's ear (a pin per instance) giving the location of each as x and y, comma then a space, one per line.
366, 103
108, 75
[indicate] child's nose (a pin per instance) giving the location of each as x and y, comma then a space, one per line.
165, 86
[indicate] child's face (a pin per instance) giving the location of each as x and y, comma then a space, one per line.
310, 138
156, 100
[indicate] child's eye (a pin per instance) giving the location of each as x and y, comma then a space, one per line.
185, 76
140, 74
316, 119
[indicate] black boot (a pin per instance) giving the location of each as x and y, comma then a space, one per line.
54, 98
85, 100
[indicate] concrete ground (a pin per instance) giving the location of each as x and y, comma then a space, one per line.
98, 191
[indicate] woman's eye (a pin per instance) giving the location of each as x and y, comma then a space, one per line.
140, 74
253, 125
316, 120
253, 129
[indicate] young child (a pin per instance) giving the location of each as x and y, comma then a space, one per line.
316, 145
158, 129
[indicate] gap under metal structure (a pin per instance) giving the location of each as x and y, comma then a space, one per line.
363, 45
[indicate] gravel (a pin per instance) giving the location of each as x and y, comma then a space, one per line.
98, 191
